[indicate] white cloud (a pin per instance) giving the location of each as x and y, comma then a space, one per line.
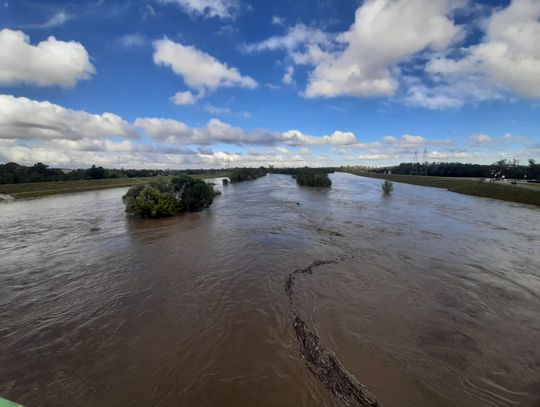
277, 20
297, 138
33, 131
288, 76
410, 139
484, 140
199, 70
22, 118
508, 57
208, 8
51, 62
375, 156
296, 38
133, 40
56, 20
176, 132
384, 33
481, 139
186, 98
217, 110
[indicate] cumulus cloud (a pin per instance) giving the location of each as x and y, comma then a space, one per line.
385, 32
22, 118
508, 57
297, 138
33, 131
176, 132
207, 8
186, 98
199, 70
50, 62
216, 131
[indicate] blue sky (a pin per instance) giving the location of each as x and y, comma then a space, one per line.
199, 83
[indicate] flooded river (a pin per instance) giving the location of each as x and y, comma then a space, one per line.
427, 297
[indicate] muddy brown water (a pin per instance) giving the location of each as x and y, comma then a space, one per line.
429, 298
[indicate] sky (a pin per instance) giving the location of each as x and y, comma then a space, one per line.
215, 83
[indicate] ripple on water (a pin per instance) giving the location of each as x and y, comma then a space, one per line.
436, 301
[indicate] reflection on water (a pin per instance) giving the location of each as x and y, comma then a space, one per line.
435, 299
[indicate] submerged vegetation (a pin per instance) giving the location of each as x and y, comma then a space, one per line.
246, 174
307, 177
387, 186
313, 178
162, 198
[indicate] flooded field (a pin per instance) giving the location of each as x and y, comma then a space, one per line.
426, 297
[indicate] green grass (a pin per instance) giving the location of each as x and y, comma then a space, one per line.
463, 186
39, 189
7, 403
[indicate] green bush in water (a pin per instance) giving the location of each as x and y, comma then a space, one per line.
163, 198
246, 174
313, 178
387, 186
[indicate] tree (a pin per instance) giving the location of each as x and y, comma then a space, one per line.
246, 174
162, 198
387, 186
533, 170
96, 172
313, 178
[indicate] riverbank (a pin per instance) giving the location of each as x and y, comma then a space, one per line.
504, 192
39, 189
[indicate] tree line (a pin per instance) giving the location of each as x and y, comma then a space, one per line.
246, 174
499, 169
13, 173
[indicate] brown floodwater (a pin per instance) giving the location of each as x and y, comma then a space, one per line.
427, 297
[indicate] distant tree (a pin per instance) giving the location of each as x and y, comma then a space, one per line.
533, 170
96, 172
387, 186
313, 178
246, 174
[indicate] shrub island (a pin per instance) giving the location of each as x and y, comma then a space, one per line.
168, 197
313, 178
246, 174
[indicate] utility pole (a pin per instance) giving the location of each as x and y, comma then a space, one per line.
415, 164
425, 164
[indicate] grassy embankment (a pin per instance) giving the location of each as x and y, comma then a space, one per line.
463, 186
39, 189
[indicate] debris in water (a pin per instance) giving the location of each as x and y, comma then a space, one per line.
329, 370
322, 363
308, 270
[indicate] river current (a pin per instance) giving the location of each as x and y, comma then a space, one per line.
427, 297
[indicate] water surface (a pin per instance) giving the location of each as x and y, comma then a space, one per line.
434, 298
